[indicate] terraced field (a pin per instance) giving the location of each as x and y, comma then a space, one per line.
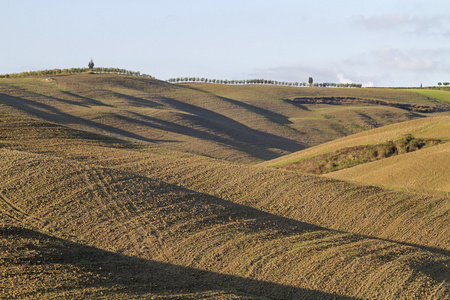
84, 215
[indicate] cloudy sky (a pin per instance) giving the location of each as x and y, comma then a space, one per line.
376, 43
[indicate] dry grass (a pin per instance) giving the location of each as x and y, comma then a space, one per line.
261, 93
311, 199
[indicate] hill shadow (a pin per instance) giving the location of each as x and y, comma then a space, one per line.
273, 116
296, 104
285, 226
90, 101
137, 101
52, 114
229, 132
246, 134
225, 136
107, 274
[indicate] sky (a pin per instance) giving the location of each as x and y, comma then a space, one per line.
376, 43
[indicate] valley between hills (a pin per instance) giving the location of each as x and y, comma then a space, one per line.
122, 187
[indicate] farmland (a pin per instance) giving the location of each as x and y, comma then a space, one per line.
116, 187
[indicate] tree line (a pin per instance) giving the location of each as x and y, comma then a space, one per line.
99, 70
443, 83
262, 82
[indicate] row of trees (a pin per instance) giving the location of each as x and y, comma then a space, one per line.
76, 71
263, 81
443, 83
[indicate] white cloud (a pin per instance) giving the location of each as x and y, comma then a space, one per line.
411, 24
395, 59
342, 79
368, 84
382, 22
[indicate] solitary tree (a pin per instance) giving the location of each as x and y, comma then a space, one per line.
310, 81
91, 64
439, 83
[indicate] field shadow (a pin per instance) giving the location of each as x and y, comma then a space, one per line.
273, 116
222, 129
244, 133
136, 101
107, 274
226, 136
90, 101
296, 104
52, 114
284, 226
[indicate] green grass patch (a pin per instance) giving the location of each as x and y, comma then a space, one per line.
441, 95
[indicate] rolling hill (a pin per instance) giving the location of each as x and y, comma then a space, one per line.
246, 124
125, 214
208, 238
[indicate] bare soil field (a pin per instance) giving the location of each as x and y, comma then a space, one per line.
164, 225
86, 215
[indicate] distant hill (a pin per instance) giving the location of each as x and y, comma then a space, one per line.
247, 124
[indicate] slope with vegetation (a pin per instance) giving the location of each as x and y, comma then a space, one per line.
424, 169
352, 156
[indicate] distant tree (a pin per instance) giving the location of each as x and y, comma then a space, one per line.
310, 81
439, 83
445, 83
91, 64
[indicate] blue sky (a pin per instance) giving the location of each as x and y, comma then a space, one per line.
379, 43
